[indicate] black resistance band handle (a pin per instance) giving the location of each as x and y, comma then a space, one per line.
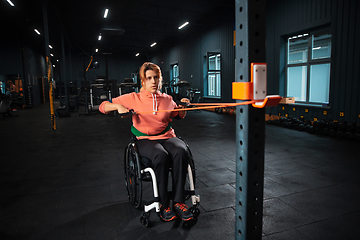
182, 103
127, 114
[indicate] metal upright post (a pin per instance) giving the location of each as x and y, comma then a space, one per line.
250, 122
63, 70
48, 65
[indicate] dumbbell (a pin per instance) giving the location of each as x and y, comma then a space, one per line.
349, 136
350, 127
332, 133
340, 134
357, 137
341, 126
357, 128
333, 125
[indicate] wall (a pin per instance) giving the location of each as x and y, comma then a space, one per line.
190, 55
285, 18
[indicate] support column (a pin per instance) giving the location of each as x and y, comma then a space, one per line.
250, 122
48, 65
64, 74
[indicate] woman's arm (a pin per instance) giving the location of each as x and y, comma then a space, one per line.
109, 107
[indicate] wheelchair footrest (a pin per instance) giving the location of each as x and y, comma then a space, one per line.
151, 206
146, 177
195, 199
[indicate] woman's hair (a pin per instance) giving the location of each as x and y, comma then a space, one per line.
150, 66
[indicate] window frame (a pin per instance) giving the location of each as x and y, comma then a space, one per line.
213, 72
175, 79
310, 62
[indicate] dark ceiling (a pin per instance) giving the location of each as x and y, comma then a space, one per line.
131, 26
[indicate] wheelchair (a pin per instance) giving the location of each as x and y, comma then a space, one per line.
138, 169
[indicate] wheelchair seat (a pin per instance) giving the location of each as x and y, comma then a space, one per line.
138, 169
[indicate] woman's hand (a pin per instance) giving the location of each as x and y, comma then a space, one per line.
185, 100
182, 114
121, 109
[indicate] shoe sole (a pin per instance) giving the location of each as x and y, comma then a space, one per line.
168, 220
184, 219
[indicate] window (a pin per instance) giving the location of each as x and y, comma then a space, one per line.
308, 67
175, 76
213, 75
2, 87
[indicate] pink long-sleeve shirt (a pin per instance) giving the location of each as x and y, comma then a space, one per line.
148, 123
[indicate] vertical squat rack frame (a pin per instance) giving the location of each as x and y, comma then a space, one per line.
250, 122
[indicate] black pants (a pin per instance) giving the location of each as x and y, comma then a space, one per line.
163, 154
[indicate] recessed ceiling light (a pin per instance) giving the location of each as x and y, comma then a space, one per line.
183, 25
96, 50
152, 45
50, 46
10, 2
106, 13
137, 54
37, 31
99, 38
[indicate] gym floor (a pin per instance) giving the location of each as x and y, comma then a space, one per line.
69, 183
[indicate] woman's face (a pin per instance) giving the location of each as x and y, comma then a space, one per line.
151, 81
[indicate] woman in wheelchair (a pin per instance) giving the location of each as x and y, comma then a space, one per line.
156, 139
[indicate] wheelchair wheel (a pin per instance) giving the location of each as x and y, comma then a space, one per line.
133, 175
188, 193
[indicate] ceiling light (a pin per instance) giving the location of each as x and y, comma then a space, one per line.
96, 50
50, 46
112, 31
53, 65
10, 2
183, 25
37, 31
51, 54
152, 45
137, 54
99, 38
106, 13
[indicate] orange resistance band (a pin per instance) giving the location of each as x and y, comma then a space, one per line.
205, 106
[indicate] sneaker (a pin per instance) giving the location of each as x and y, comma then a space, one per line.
167, 214
183, 211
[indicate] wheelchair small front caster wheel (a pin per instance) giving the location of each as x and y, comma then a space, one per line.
145, 221
195, 211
